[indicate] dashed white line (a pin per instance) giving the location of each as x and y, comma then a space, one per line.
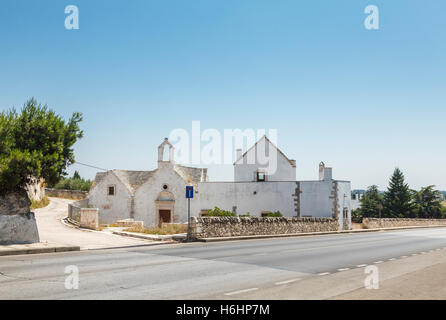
286, 281
377, 262
343, 269
361, 265
324, 273
240, 291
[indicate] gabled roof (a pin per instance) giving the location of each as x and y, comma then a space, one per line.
192, 174
135, 179
292, 162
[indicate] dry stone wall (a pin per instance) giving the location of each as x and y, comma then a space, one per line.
373, 223
210, 227
67, 194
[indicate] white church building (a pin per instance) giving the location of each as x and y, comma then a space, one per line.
158, 196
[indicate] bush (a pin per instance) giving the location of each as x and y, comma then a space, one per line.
276, 214
39, 204
217, 212
357, 216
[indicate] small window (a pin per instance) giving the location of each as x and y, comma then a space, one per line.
261, 176
111, 190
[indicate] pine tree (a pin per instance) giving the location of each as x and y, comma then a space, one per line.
398, 198
370, 202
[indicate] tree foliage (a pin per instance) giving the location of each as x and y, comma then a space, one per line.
35, 143
74, 183
428, 203
398, 198
370, 202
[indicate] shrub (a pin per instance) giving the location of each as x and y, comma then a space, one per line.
217, 212
274, 214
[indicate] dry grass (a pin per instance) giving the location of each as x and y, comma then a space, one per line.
443, 203
164, 230
40, 204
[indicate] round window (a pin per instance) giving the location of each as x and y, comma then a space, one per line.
165, 187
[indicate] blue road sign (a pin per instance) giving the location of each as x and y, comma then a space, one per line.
189, 192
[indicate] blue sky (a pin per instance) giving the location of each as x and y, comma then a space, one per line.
363, 101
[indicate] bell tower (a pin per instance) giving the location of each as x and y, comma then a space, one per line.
161, 148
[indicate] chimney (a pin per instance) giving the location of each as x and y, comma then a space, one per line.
238, 154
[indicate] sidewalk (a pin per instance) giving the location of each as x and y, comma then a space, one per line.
41, 247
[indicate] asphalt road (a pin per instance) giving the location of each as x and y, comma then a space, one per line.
270, 268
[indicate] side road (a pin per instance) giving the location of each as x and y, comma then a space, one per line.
53, 231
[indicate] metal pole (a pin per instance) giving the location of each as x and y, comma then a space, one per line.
188, 220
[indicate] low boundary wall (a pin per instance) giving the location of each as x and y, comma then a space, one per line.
372, 223
210, 227
67, 194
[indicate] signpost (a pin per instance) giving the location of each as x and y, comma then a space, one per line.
189, 195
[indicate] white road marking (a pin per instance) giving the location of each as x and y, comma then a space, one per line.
404, 257
361, 265
377, 262
392, 259
240, 291
324, 273
343, 269
286, 281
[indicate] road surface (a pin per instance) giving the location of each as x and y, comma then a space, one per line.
52, 230
314, 267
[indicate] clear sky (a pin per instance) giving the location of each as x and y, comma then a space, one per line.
364, 101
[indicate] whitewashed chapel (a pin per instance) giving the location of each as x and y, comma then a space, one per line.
159, 196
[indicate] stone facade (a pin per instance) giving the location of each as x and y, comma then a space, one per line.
14, 203
210, 227
373, 223
17, 224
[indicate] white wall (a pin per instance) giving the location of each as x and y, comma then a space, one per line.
111, 208
270, 196
146, 195
315, 198
244, 172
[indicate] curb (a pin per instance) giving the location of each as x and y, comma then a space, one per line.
140, 236
290, 235
10, 250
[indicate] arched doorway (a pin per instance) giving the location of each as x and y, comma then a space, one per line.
164, 203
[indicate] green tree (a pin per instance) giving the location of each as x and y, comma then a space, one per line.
370, 202
76, 175
35, 143
398, 198
428, 202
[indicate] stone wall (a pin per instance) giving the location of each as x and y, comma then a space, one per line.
373, 223
89, 218
67, 194
209, 227
75, 209
17, 224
